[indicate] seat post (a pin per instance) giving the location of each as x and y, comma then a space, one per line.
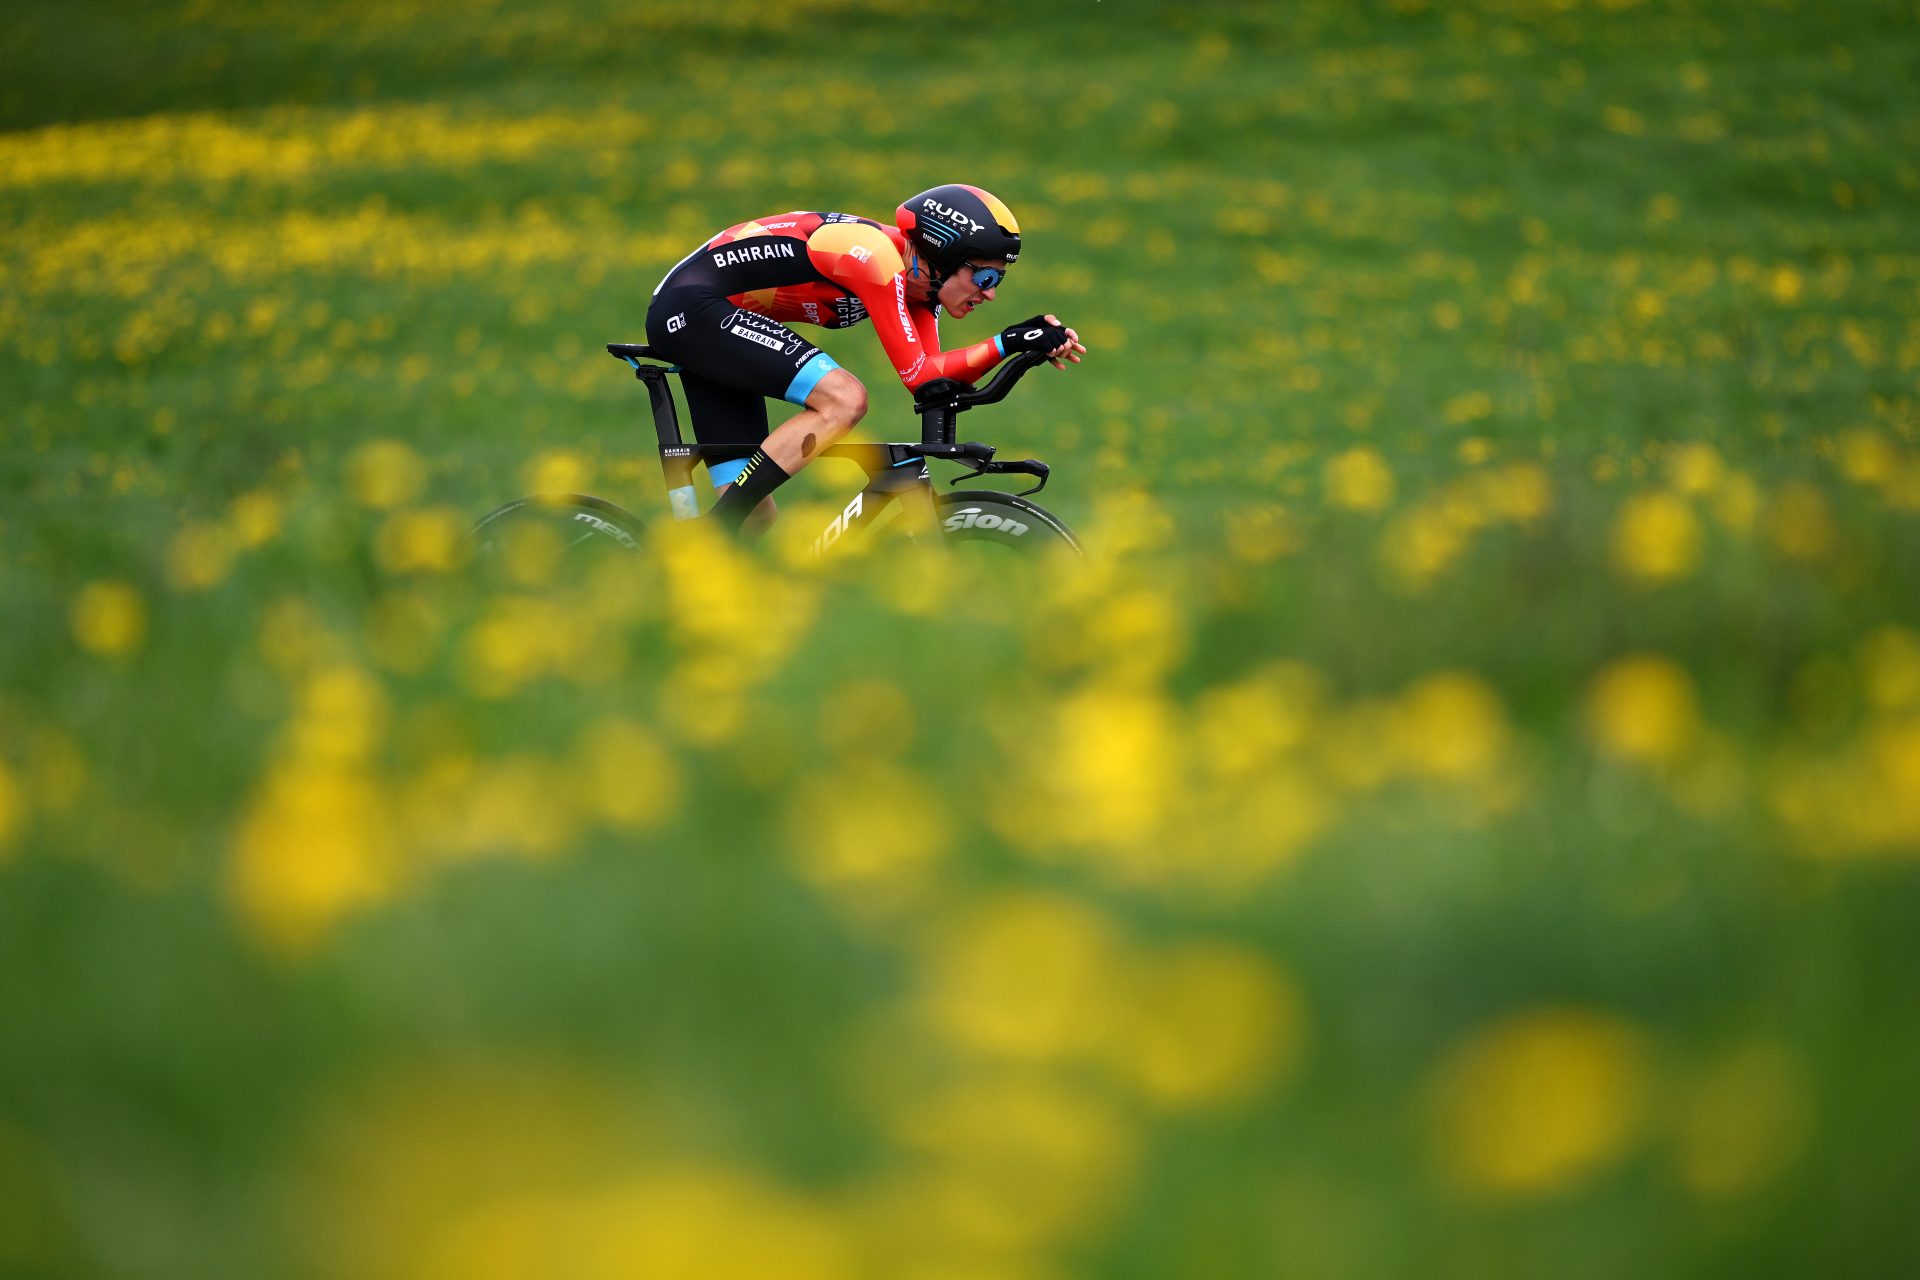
676, 459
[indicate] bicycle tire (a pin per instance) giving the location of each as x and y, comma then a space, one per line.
580, 529
989, 517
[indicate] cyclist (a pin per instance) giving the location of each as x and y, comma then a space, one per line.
722, 312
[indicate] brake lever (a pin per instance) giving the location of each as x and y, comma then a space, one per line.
1023, 466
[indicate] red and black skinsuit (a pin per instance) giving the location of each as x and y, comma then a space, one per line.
722, 315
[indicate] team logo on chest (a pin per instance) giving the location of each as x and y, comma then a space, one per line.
754, 253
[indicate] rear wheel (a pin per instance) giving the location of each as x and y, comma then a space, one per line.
537, 539
987, 517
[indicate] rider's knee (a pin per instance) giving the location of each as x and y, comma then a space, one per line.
840, 399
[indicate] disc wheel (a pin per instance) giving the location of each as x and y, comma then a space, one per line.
987, 517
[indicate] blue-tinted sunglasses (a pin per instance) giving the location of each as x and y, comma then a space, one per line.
987, 277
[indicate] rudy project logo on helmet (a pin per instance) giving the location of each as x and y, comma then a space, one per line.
952, 215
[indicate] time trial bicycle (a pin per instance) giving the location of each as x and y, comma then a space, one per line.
898, 481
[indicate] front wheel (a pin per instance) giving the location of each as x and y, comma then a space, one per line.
987, 517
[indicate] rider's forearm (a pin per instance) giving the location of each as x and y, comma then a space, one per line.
964, 365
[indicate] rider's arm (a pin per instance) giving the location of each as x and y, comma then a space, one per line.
861, 259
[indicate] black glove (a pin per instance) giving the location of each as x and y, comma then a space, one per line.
1032, 335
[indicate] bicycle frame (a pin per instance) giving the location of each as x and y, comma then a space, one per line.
897, 471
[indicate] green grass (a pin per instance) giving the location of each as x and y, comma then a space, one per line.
1460, 820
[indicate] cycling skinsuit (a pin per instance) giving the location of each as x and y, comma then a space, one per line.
722, 313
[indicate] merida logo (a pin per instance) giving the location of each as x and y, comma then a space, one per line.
754, 253
952, 215
900, 301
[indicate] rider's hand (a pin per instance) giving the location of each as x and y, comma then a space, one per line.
1042, 333
1072, 349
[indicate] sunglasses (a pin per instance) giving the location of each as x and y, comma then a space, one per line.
987, 277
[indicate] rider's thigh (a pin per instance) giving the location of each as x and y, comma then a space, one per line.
840, 398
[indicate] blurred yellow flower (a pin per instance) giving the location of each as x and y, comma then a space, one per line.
108, 618
1451, 725
1470, 407
1867, 457
198, 556
1695, 469
1743, 1120
1643, 708
1205, 1024
340, 718
13, 809
1262, 534
1538, 1102
253, 518
855, 837
1656, 538
1107, 772
1241, 729
1358, 480
385, 474
420, 540
1890, 669
1026, 976
1799, 522
628, 776
558, 471
313, 846
1786, 284
680, 1223
1015, 1160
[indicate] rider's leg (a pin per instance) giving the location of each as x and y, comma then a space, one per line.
835, 404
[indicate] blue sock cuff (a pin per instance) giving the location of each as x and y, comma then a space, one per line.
725, 472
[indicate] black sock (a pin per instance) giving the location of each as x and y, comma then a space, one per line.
761, 477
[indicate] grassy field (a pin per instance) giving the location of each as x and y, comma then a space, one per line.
1460, 820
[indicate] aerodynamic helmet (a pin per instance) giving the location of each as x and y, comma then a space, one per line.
957, 223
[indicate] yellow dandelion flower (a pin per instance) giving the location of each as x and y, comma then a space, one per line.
872, 861
1744, 1119
198, 556
558, 471
420, 540
1451, 725
108, 618
385, 474
253, 518
1656, 538
1867, 457
1025, 976
13, 809
1538, 1102
630, 779
1799, 522
1643, 708
1890, 669
1204, 1024
314, 847
1786, 284
1695, 469
1015, 1161
1358, 480
1109, 773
